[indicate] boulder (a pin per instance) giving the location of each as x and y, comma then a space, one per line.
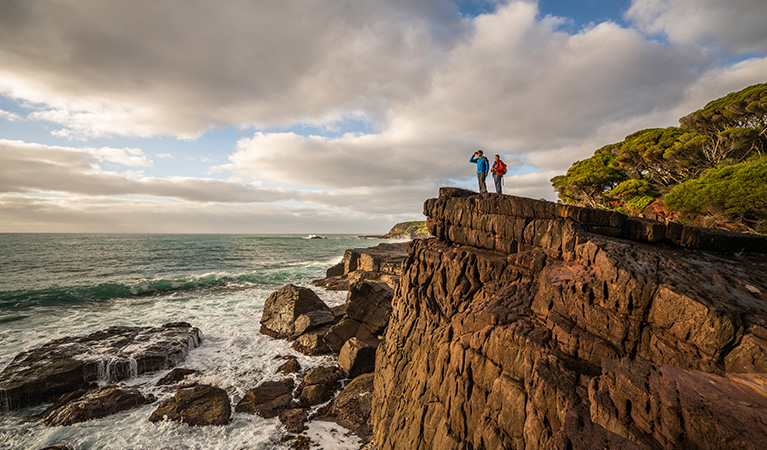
290, 366
174, 376
94, 404
268, 398
344, 330
327, 375
284, 307
315, 394
312, 343
199, 405
352, 407
114, 354
357, 357
370, 303
293, 419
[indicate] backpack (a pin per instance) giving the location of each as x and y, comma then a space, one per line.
500, 168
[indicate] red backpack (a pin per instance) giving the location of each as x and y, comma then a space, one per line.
500, 168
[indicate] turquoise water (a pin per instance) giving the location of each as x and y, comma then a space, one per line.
56, 285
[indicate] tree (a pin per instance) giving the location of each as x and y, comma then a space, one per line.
587, 181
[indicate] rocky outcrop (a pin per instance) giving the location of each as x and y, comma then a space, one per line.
72, 363
381, 263
199, 405
175, 375
357, 357
93, 404
293, 310
408, 230
368, 308
351, 408
533, 325
268, 399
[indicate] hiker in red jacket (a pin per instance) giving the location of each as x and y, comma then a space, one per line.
499, 170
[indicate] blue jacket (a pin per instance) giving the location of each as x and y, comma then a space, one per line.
482, 165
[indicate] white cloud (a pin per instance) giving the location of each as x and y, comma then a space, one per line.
732, 25
9, 116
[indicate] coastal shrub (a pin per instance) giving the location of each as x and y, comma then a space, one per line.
639, 203
738, 190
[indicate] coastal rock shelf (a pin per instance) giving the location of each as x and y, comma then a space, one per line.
380, 263
532, 325
72, 363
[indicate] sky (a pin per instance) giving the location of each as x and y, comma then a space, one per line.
255, 116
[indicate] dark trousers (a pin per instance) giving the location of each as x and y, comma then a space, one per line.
481, 178
498, 181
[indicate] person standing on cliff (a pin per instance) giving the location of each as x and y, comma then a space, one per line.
483, 167
499, 170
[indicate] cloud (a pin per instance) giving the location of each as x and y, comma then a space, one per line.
139, 68
731, 25
9, 116
117, 215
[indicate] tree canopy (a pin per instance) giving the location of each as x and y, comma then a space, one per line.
725, 140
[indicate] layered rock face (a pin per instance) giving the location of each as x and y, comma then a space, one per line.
532, 325
381, 263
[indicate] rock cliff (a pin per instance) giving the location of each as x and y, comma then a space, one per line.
532, 325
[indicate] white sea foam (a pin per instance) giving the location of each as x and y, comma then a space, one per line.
232, 355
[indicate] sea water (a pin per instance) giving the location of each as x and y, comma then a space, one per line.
57, 285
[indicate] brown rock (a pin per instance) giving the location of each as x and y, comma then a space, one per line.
290, 366
327, 375
370, 303
357, 357
94, 404
344, 330
268, 398
174, 376
71, 363
200, 405
315, 394
351, 408
312, 343
293, 419
292, 310
528, 324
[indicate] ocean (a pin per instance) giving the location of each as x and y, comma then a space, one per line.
56, 285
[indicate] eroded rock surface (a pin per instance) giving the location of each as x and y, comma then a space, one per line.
94, 404
381, 263
72, 363
200, 405
293, 310
532, 325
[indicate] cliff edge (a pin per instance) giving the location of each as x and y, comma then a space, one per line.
532, 325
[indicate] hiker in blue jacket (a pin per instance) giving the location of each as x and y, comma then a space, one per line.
483, 167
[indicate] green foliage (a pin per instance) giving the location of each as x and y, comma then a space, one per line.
632, 188
640, 202
739, 190
699, 167
416, 228
587, 181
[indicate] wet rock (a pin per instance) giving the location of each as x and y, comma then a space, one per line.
268, 398
357, 357
200, 405
72, 363
315, 394
327, 375
94, 404
290, 366
293, 310
174, 376
293, 419
352, 407
312, 343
